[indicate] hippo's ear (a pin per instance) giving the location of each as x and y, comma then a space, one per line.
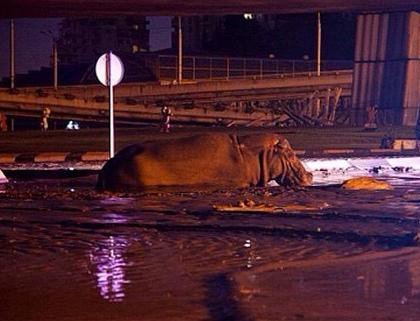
283, 144
284, 148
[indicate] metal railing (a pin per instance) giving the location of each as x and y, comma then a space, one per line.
165, 67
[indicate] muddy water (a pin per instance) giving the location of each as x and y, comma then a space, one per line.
69, 253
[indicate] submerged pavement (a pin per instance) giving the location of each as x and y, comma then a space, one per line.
68, 252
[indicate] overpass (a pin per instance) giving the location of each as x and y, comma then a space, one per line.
387, 57
239, 101
60, 8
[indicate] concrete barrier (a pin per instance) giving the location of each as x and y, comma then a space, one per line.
50, 157
95, 156
405, 144
8, 158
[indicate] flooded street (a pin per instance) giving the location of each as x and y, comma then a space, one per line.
70, 253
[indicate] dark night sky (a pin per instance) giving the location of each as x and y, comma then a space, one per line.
33, 48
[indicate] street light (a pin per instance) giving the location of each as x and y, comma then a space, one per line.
54, 56
318, 53
180, 57
12, 54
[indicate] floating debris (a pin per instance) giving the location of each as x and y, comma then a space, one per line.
366, 183
250, 206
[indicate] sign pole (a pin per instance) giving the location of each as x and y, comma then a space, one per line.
111, 105
111, 122
110, 71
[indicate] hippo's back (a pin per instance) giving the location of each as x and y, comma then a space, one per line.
201, 160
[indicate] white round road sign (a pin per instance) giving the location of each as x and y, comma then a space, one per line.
109, 69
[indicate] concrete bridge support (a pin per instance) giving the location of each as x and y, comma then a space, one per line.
387, 67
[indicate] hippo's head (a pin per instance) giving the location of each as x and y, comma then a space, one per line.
285, 168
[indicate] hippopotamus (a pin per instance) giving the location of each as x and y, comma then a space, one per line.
206, 160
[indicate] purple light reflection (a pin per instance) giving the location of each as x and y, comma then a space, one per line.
110, 268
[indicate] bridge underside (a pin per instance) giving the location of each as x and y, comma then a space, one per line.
60, 8
267, 102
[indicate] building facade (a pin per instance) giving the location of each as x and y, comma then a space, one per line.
83, 40
198, 32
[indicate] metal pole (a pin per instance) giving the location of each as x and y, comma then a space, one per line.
12, 54
227, 68
194, 68
111, 121
55, 64
318, 55
318, 59
111, 105
179, 50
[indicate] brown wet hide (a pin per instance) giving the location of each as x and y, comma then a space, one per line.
204, 161
285, 167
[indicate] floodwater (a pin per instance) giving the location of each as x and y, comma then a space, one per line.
70, 253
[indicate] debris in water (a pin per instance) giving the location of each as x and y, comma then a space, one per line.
366, 183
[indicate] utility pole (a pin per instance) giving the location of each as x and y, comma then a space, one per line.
53, 57
179, 75
55, 64
12, 54
318, 55
318, 60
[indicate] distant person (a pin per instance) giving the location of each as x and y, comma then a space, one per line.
3, 122
165, 125
372, 117
46, 112
387, 142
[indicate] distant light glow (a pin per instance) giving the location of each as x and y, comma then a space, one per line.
247, 243
73, 125
248, 16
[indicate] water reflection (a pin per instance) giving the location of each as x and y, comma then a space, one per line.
375, 287
110, 268
386, 281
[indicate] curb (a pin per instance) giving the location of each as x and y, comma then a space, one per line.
52, 157
99, 156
